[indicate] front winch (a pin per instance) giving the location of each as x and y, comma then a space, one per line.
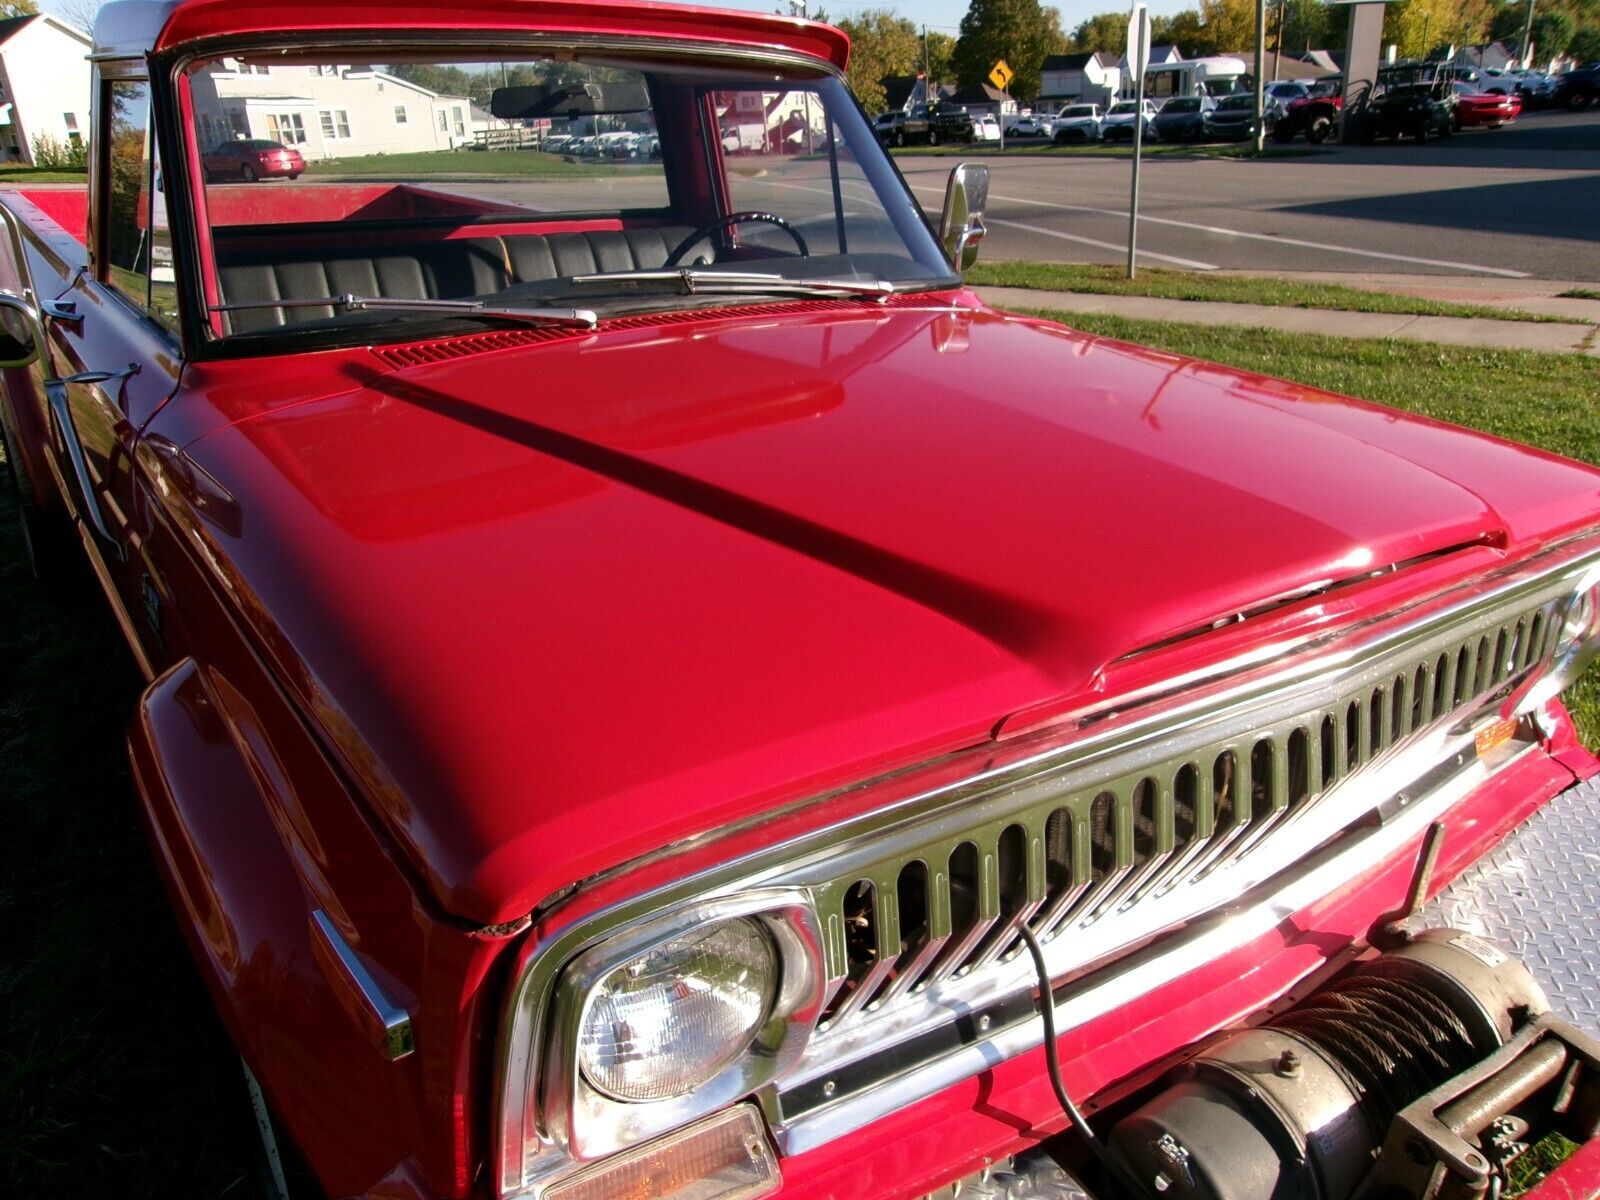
1302, 1106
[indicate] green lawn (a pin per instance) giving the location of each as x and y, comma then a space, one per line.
423, 166
1234, 289
1547, 400
1580, 294
23, 176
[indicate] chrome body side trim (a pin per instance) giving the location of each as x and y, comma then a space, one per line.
386, 1023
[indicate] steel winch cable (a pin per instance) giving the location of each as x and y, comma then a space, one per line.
1396, 1039
1115, 1171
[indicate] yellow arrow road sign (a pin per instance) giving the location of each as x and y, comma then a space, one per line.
1002, 75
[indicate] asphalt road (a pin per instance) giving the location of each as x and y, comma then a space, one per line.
1509, 203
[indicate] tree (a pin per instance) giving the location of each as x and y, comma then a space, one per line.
1585, 45
1022, 32
1183, 30
881, 44
1103, 31
1230, 25
1418, 26
1553, 31
19, 8
1310, 25
80, 13
941, 56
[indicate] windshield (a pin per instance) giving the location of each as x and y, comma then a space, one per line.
1078, 110
1182, 105
1123, 106
539, 182
1237, 104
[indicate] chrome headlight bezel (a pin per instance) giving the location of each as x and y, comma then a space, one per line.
586, 1122
1576, 647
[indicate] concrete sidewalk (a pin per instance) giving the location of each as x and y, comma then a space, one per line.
1576, 337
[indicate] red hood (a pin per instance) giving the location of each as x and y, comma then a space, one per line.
581, 598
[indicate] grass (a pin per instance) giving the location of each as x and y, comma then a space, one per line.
1551, 401
1233, 289
1544, 1156
1579, 294
114, 1077
26, 175
423, 166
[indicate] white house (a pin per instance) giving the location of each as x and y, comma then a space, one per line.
44, 84
1079, 79
327, 111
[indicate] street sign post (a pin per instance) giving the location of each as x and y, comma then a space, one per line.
1138, 62
1001, 76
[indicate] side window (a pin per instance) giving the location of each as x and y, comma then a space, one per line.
138, 243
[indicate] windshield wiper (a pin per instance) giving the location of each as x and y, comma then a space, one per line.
690, 281
577, 318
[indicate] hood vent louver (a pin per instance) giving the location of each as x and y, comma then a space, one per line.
421, 354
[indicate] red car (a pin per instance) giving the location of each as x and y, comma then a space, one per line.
656, 690
250, 159
1490, 109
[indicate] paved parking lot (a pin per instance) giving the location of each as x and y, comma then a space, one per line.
1507, 203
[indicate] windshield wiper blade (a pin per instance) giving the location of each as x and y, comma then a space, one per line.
577, 318
690, 281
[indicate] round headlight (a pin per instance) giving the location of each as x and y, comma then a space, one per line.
667, 1021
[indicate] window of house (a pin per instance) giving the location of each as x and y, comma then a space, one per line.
329, 72
70, 120
461, 125
138, 244
335, 123
444, 121
288, 128
399, 114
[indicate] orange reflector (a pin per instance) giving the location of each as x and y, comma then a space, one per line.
725, 1157
1494, 735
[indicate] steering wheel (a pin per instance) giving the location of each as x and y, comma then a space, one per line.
727, 222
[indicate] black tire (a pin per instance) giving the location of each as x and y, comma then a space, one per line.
1283, 132
47, 536
1321, 129
899, 137
295, 176
1422, 131
1578, 101
933, 137
247, 173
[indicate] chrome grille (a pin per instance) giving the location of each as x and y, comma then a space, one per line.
1070, 856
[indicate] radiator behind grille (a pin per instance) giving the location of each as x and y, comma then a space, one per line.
1064, 861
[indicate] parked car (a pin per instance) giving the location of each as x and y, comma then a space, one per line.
985, 127
1233, 119
1537, 89
252, 159
1117, 125
1276, 98
1030, 125
1183, 118
1316, 115
931, 124
1410, 110
890, 128
663, 693
1492, 110
1579, 88
1078, 123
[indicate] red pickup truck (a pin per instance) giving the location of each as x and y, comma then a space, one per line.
656, 690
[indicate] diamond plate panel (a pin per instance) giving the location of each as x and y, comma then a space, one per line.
1539, 892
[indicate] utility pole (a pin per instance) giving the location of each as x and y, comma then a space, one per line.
1527, 36
1277, 54
1261, 84
927, 65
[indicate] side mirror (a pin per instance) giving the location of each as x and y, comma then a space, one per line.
961, 224
15, 350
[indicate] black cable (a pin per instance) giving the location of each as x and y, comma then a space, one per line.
1047, 1009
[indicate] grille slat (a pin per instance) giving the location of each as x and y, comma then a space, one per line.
1072, 861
